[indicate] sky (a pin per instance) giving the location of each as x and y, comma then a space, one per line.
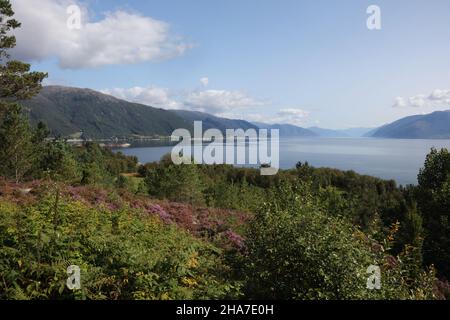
304, 62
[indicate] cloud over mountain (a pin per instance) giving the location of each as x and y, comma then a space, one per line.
220, 101
217, 102
151, 96
119, 37
438, 98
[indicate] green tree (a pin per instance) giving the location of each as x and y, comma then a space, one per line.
92, 173
297, 250
177, 183
17, 82
16, 153
433, 196
56, 161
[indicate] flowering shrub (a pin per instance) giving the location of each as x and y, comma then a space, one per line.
236, 240
123, 253
133, 247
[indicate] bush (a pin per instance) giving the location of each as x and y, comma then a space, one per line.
295, 250
433, 196
123, 253
176, 183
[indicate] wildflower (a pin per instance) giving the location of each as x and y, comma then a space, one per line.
193, 261
235, 239
189, 282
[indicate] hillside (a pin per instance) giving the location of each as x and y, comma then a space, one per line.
70, 110
213, 122
288, 130
435, 125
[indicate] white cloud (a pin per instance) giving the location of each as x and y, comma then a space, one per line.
222, 103
251, 117
442, 96
204, 81
400, 102
219, 101
120, 37
294, 116
215, 102
437, 99
151, 96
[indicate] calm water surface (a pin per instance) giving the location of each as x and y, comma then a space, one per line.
384, 158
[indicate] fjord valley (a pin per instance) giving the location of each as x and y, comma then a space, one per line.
84, 114
214, 224
348, 214
68, 111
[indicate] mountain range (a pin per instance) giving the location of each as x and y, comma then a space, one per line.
212, 122
68, 111
287, 130
435, 125
344, 133
72, 112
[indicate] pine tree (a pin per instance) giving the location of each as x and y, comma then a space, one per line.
16, 80
16, 152
17, 83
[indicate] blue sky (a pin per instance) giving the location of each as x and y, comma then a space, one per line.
303, 62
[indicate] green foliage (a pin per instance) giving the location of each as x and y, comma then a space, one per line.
433, 196
176, 183
102, 166
122, 254
238, 196
296, 250
7, 24
27, 154
133, 184
312, 234
68, 111
16, 80
15, 139
16, 83
57, 162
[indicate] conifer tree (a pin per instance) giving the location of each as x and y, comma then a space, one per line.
17, 83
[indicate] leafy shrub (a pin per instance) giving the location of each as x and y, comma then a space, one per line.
176, 183
123, 254
296, 250
433, 196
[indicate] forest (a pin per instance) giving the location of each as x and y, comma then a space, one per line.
170, 232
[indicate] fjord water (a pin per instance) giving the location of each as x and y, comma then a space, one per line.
384, 158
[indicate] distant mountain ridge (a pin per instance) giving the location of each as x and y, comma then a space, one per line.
435, 125
287, 130
68, 111
341, 133
212, 122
